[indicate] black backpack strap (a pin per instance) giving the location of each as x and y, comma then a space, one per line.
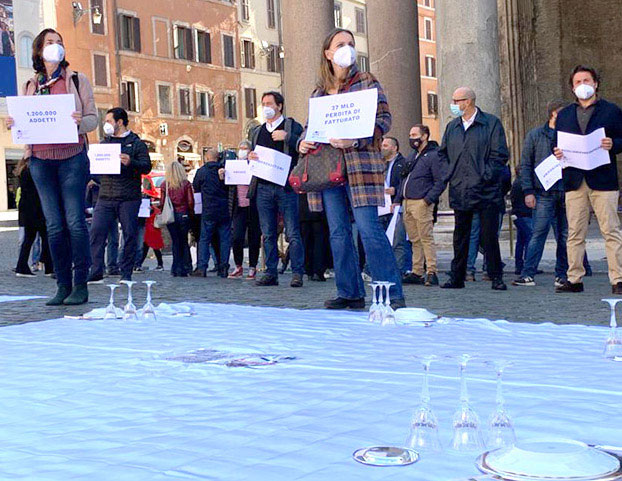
76, 81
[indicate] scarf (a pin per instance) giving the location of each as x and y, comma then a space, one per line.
44, 84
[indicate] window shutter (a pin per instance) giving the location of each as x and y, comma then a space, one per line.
208, 47
189, 47
124, 97
136, 26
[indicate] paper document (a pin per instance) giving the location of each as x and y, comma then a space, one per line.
237, 172
342, 116
43, 119
272, 165
393, 225
105, 158
145, 208
583, 151
198, 203
549, 171
386, 208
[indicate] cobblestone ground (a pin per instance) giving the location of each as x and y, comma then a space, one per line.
525, 304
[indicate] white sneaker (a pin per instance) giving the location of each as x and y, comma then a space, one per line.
524, 281
366, 277
559, 282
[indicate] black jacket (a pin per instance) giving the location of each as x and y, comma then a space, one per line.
519, 208
423, 176
538, 145
29, 211
126, 185
214, 192
396, 174
609, 116
475, 161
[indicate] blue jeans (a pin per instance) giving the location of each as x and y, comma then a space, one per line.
380, 258
550, 211
62, 188
524, 226
208, 226
140, 237
179, 238
112, 248
272, 199
474, 243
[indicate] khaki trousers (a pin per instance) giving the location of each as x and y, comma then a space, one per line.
419, 223
605, 205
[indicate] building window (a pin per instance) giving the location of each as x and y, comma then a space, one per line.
129, 96
430, 66
204, 47
271, 14
245, 14
228, 51
427, 3
360, 21
205, 104
129, 32
273, 59
231, 106
250, 97
338, 15
184, 102
98, 28
100, 68
427, 28
182, 43
164, 100
432, 104
248, 54
25, 51
363, 63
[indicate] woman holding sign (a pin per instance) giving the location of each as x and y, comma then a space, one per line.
60, 171
363, 191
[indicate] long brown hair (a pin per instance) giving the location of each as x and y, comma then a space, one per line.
37, 51
326, 74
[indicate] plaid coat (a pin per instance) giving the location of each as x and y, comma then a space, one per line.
365, 166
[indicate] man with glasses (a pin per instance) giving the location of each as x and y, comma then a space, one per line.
475, 151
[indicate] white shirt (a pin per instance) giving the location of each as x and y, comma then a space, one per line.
467, 123
387, 180
274, 125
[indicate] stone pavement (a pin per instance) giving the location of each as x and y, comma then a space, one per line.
524, 304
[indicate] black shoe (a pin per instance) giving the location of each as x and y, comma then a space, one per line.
317, 278
588, 272
95, 279
539, 271
498, 285
570, 287
341, 303
296, 280
79, 295
267, 280
62, 292
431, 280
223, 271
113, 272
24, 273
452, 284
125, 278
412, 278
617, 289
213, 269
398, 304
198, 273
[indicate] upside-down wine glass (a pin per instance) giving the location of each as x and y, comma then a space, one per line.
148, 313
424, 425
129, 311
613, 344
388, 318
375, 310
111, 310
467, 434
500, 426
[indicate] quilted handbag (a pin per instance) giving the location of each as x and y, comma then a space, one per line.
319, 169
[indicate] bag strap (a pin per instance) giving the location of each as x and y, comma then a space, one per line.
76, 81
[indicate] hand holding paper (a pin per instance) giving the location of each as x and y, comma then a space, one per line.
583, 152
271, 165
105, 158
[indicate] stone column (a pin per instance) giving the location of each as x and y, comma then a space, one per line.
468, 53
305, 25
392, 29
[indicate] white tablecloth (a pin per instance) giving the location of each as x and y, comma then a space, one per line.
99, 401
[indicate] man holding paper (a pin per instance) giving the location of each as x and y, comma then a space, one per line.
280, 134
119, 196
599, 187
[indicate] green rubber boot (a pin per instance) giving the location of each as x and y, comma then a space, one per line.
79, 295
62, 293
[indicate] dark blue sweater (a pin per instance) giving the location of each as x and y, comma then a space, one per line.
214, 192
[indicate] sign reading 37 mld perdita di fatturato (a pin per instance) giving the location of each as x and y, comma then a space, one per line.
43, 119
342, 116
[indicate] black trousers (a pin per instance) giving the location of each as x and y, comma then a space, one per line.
316, 242
157, 252
246, 219
30, 233
489, 240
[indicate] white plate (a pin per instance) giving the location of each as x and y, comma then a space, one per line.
386, 456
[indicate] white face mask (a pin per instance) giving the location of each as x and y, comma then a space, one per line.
242, 154
268, 112
108, 129
54, 53
344, 56
584, 91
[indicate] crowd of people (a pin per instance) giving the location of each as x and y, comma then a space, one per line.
339, 226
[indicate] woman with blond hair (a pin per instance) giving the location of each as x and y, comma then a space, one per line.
363, 191
177, 187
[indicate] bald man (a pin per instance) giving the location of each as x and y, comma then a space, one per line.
475, 151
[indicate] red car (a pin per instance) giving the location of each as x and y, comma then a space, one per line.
151, 184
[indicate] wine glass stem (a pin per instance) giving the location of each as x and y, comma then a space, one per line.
149, 293
464, 394
500, 399
613, 323
129, 294
425, 389
388, 298
112, 297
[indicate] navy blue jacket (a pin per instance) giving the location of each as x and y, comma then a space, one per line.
538, 145
609, 116
423, 177
519, 208
214, 192
396, 174
475, 160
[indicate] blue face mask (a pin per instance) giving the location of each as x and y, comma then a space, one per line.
455, 110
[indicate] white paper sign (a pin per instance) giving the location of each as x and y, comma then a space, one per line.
583, 151
43, 119
342, 116
198, 203
145, 208
393, 225
237, 172
549, 171
386, 209
272, 165
105, 158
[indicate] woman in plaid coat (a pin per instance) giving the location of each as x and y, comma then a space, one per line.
364, 189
